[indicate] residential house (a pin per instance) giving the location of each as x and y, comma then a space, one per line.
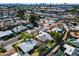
30, 26
74, 34
5, 33
76, 52
69, 49
43, 36
25, 47
57, 29
73, 41
19, 28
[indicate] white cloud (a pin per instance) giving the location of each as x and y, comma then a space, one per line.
39, 1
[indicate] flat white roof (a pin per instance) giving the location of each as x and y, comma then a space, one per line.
69, 49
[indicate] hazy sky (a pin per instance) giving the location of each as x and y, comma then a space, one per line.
39, 1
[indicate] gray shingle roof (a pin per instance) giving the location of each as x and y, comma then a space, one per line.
4, 33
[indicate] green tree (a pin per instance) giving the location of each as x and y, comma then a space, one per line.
33, 19
25, 36
21, 14
56, 35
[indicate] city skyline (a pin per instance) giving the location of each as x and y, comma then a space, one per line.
40, 1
